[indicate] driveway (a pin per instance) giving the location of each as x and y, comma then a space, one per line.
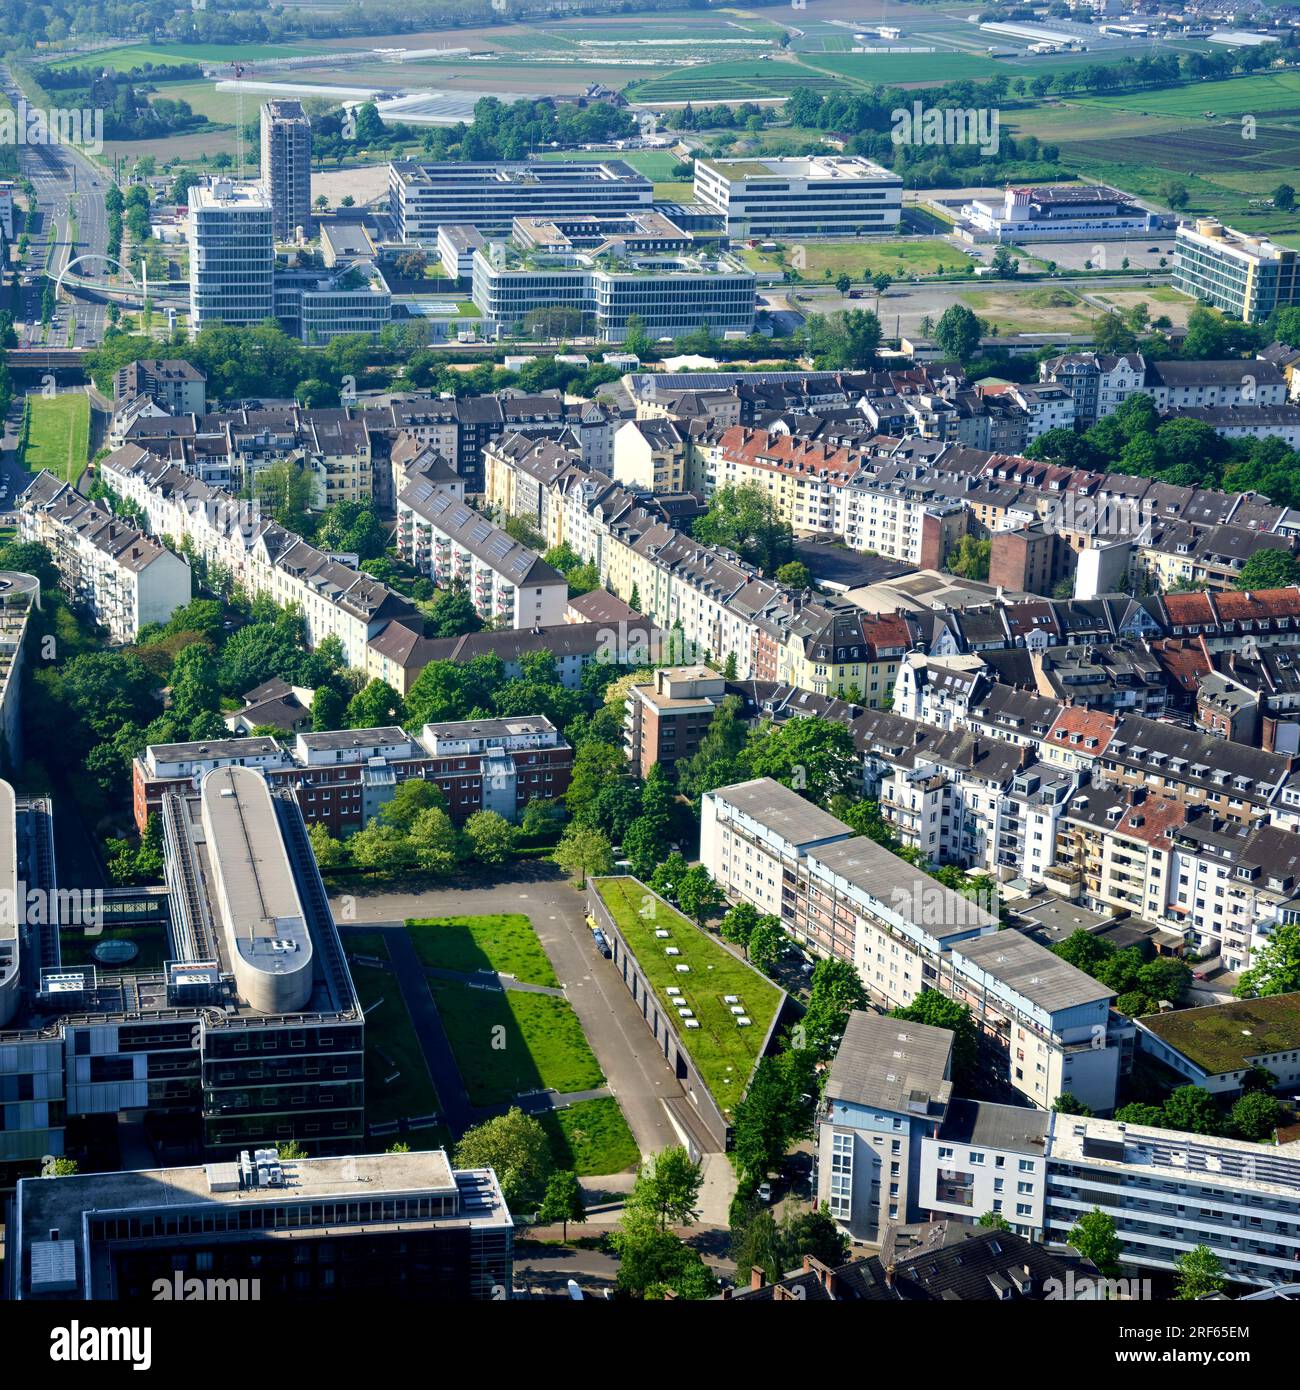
634, 1070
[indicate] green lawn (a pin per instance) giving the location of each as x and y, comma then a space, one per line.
505, 943
58, 435
389, 1031
724, 1053
591, 1138
507, 1042
366, 943
862, 256
1038, 310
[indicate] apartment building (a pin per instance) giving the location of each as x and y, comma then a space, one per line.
335, 599
1099, 382
814, 196
845, 896
650, 455
455, 545
286, 167
986, 1158
341, 778
667, 718
232, 254
1245, 276
904, 519
1168, 1192
176, 385
1218, 1046
383, 1225
489, 196
834, 648
122, 578
888, 1090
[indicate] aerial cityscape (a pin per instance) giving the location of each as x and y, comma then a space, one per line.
651, 652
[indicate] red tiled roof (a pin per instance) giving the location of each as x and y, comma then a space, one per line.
1087, 723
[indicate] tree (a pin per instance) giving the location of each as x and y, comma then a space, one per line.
645, 844
698, 896
812, 1233
1199, 1272
794, 574
584, 853
669, 1187
812, 756
957, 334
843, 282
1284, 197
562, 1201
1255, 1116
1067, 1103
452, 614
756, 1243
409, 798
435, 843
328, 709
286, 490
375, 706
1192, 1109
1095, 1238
515, 1147
745, 518
737, 925
491, 837
330, 853
835, 991
938, 1011
766, 942
773, 1113
1268, 569
1137, 1113
994, 1221
1277, 966
288, 1149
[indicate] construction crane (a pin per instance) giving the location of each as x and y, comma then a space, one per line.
239, 69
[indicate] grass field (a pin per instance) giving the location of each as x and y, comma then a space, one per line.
862, 257
391, 1045
58, 434
724, 1053
1031, 311
1159, 300
591, 1138
505, 943
366, 943
508, 1041
654, 164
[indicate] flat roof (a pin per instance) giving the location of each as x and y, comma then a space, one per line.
1221, 1038
1032, 970
775, 806
892, 1064
1015, 1128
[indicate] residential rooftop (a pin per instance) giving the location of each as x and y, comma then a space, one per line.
1221, 1038
892, 1064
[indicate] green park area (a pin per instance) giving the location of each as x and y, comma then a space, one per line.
591, 1138
57, 434
724, 1052
505, 943
398, 1085
509, 1042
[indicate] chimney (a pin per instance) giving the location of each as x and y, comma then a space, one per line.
757, 1278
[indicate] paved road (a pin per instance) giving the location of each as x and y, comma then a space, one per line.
636, 1073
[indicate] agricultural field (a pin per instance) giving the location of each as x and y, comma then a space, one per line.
862, 257
1030, 311
58, 434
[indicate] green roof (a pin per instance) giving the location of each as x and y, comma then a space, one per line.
724, 1054
1223, 1037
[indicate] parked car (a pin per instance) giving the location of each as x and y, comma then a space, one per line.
602, 945
765, 1192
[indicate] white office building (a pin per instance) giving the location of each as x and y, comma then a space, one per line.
821, 195
232, 254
